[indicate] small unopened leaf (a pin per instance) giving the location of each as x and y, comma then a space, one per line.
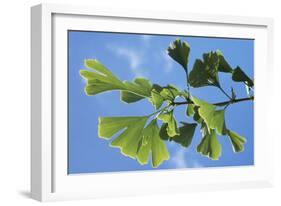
237, 141
210, 146
179, 51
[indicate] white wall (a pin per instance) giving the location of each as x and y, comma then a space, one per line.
15, 95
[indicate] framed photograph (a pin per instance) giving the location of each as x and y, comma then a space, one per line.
136, 102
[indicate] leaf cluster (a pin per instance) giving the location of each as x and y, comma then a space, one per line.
140, 137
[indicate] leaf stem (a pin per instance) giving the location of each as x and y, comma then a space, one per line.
222, 90
187, 82
158, 111
219, 103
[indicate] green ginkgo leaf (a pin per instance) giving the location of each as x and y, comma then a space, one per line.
239, 76
154, 145
214, 119
223, 64
101, 79
184, 138
170, 92
136, 90
237, 141
210, 146
161, 94
130, 97
196, 117
168, 117
205, 73
131, 135
156, 98
179, 51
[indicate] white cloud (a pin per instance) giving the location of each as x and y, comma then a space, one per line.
168, 63
179, 159
133, 57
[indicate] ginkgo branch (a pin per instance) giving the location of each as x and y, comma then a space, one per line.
141, 137
218, 103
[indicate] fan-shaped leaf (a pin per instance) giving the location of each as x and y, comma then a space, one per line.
210, 146
156, 99
179, 51
239, 76
101, 80
237, 141
205, 73
213, 118
223, 64
153, 144
131, 135
136, 90
162, 94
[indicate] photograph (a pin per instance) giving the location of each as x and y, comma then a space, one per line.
140, 102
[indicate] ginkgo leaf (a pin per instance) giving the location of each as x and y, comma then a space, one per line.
161, 94
179, 51
205, 73
184, 138
101, 79
223, 64
170, 92
237, 141
136, 91
154, 145
130, 97
196, 116
156, 99
214, 119
210, 146
131, 135
168, 117
239, 76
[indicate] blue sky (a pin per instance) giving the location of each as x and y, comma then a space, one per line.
133, 55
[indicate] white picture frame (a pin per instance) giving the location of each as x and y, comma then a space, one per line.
49, 178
